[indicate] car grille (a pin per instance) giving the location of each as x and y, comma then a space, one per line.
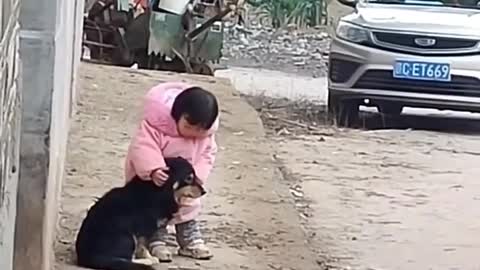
384, 80
340, 70
408, 40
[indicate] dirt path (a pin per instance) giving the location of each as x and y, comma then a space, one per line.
249, 217
401, 197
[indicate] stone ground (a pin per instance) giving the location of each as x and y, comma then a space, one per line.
401, 193
250, 220
295, 192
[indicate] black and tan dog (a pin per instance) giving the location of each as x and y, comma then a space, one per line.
112, 235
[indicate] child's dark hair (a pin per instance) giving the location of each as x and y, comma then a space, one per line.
199, 106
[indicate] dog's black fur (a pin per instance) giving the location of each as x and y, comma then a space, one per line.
107, 237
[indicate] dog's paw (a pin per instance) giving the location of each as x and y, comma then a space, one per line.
143, 261
154, 260
147, 261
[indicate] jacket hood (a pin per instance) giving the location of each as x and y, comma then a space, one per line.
158, 104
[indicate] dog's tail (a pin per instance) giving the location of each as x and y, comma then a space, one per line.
112, 263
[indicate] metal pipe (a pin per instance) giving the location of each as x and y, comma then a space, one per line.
104, 45
104, 29
197, 31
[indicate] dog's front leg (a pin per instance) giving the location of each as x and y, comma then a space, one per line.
142, 254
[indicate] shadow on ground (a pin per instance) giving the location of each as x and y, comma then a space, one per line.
440, 123
281, 115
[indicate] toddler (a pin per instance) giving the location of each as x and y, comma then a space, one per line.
178, 120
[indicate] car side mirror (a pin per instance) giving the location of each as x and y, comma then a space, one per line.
349, 3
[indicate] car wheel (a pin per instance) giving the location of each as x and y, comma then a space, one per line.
392, 109
345, 112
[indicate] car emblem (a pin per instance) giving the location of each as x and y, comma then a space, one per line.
425, 42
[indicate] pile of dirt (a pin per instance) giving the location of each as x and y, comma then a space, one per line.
299, 51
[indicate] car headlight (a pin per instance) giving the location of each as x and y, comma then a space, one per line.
352, 33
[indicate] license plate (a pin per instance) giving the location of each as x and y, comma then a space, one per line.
415, 70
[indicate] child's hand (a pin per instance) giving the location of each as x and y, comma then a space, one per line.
159, 176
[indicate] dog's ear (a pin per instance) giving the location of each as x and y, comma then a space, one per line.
176, 163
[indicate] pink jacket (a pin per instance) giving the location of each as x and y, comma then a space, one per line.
157, 138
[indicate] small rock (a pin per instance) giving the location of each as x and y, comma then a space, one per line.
302, 215
288, 39
317, 56
299, 63
253, 47
283, 131
275, 267
296, 193
244, 41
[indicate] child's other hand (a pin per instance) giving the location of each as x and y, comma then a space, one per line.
159, 176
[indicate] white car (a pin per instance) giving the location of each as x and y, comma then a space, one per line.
396, 53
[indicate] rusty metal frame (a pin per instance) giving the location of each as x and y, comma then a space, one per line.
100, 30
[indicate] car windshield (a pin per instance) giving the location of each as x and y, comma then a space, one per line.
449, 3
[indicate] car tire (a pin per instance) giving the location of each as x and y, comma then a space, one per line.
345, 112
390, 109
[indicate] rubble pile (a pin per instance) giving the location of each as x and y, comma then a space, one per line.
289, 50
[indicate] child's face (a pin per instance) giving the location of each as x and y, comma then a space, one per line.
187, 130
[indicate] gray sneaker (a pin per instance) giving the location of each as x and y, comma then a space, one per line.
196, 250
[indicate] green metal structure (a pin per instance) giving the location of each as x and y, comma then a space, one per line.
189, 40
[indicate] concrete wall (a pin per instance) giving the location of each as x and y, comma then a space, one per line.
77, 50
10, 117
49, 44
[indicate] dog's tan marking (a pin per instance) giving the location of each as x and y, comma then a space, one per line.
192, 192
175, 185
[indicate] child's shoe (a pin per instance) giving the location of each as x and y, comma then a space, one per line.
159, 249
196, 250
